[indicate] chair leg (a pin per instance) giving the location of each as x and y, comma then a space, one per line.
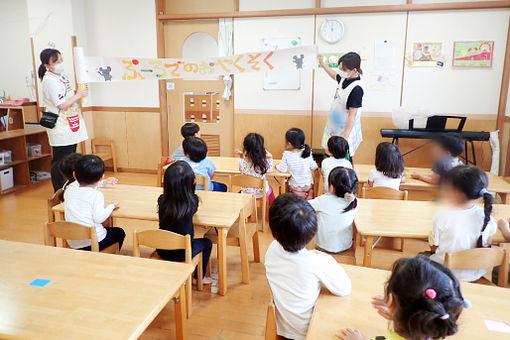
256, 248
189, 285
200, 273
402, 244
264, 215
114, 161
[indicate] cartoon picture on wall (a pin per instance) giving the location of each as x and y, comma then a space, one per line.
473, 53
426, 54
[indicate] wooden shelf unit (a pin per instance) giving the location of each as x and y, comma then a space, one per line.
16, 141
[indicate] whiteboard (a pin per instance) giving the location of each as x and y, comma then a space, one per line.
281, 80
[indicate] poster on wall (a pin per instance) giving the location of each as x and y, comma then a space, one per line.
278, 80
331, 59
426, 54
473, 53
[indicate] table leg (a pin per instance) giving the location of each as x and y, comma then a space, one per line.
181, 328
367, 256
284, 185
244, 252
222, 260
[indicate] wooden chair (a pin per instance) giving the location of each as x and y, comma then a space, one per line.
105, 149
213, 144
54, 200
347, 256
163, 239
163, 161
387, 194
271, 323
246, 181
202, 180
74, 231
481, 258
238, 236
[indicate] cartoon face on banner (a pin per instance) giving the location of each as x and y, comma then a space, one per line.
102, 69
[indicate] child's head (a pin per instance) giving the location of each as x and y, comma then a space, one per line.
295, 138
467, 183
255, 151
424, 298
448, 144
343, 182
350, 64
89, 170
178, 192
293, 222
68, 163
190, 130
194, 148
389, 160
338, 147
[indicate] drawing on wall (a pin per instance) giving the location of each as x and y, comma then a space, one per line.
426, 54
473, 53
287, 80
332, 59
385, 55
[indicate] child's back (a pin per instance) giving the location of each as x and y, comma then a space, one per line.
337, 151
389, 167
300, 169
195, 150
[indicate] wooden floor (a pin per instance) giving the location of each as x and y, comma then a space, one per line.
238, 315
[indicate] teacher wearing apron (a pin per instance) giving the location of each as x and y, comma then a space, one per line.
344, 118
61, 99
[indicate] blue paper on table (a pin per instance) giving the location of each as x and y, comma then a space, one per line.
39, 282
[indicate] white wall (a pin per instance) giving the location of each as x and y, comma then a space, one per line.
15, 60
248, 35
457, 90
264, 5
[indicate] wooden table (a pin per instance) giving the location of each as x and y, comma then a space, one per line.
496, 184
216, 209
407, 219
333, 313
90, 296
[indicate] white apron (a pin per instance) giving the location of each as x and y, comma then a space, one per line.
70, 128
337, 118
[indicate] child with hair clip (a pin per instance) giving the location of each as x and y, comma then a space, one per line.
422, 301
176, 208
298, 161
256, 161
337, 150
464, 225
336, 211
389, 167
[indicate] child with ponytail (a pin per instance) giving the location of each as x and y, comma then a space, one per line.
298, 161
422, 301
464, 225
336, 211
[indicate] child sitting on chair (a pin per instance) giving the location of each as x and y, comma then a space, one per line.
446, 152
337, 150
389, 167
187, 130
67, 165
296, 274
84, 204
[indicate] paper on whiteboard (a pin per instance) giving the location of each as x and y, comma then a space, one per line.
277, 80
384, 56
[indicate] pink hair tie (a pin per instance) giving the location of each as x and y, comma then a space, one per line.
431, 293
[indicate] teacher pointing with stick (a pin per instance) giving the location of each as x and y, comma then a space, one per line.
344, 118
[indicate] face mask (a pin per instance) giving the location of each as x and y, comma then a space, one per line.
343, 74
58, 68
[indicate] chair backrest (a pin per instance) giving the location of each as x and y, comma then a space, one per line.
163, 161
162, 239
481, 258
247, 181
69, 231
384, 193
271, 322
54, 200
213, 144
100, 141
202, 180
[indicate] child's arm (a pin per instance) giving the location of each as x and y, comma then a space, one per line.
504, 226
99, 212
403, 179
331, 72
350, 334
431, 179
108, 181
239, 153
331, 274
283, 167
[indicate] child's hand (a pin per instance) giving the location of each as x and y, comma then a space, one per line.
503, 224
416, 175
116, 204
238, 152
111, 181
320, 58
350, 334
379, 303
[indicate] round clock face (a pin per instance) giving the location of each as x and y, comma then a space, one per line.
332, 30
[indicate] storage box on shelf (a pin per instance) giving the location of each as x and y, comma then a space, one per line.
11, 118
17, 141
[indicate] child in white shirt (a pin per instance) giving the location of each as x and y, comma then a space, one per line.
389, 167
336, 211
298, 161
464, 225
84, 204
337, 150
296, 274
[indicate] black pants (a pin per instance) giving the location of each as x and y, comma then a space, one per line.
113, 235
59, 152
198, 245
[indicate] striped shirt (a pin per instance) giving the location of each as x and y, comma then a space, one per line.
300, 169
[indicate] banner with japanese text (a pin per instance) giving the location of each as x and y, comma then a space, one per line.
104, 69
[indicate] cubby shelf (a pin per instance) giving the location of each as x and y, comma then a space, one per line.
16, 141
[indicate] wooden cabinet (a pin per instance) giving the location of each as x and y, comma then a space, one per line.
16, 141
